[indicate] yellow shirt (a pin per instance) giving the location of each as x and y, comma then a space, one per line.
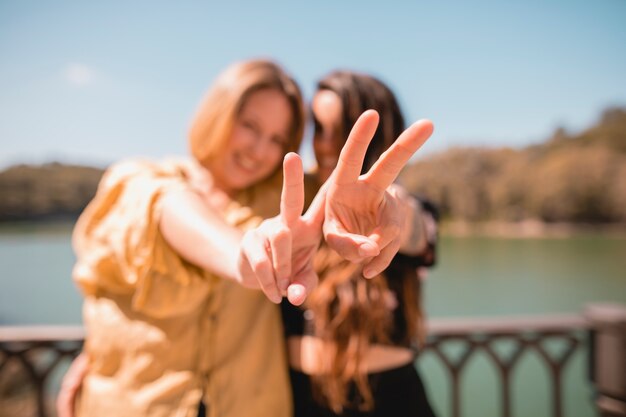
162, 334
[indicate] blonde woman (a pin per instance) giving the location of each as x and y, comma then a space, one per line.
169, 325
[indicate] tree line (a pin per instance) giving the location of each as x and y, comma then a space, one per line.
573, 178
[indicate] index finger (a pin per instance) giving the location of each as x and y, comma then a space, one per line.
292, 195
388, 166
353, 152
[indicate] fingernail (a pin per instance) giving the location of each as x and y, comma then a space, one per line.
369, 273
296, 294
283, 284
368, 249
276, 299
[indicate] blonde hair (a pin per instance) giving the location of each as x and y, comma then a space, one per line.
213, 124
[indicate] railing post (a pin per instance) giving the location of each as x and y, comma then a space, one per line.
607, 357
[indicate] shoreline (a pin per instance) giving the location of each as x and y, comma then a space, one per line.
527, 229
530, 229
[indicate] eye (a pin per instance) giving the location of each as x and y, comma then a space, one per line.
280, 140
250, 125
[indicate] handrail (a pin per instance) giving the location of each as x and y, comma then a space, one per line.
436, 327
601, 328
506, 325
41, 333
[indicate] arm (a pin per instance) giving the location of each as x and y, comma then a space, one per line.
200, 235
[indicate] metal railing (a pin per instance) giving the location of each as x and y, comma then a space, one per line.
602, 329
29, 356
522, 334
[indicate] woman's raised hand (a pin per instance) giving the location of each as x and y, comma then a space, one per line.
363, 216
360, 215
278, 255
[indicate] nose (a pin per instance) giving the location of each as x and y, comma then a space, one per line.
260, 147
324, 143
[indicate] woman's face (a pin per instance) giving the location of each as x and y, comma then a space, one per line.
328, 138
258, 142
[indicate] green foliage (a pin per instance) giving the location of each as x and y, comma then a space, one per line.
49, 191
576, 179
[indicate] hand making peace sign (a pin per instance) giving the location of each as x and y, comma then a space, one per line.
363, 216
279, 253
361, 219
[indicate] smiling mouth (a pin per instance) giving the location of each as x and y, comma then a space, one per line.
246, 163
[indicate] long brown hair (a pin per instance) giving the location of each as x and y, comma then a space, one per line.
351, 312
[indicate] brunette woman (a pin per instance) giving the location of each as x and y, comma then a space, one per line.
352, 345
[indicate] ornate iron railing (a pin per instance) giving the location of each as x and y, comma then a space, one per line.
38, 351
521, 335
29, 356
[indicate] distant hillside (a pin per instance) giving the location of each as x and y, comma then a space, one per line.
46, 192
570, 178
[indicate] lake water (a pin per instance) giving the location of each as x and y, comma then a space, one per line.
475, 277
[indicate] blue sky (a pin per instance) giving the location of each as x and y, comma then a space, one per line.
92, 82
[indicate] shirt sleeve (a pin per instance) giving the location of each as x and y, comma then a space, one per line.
120, 249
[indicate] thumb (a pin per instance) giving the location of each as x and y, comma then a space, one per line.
302, 286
